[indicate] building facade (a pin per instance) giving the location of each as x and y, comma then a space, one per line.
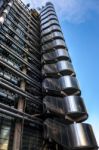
41, 107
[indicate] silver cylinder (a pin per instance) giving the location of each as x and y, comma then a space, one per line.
58, 69
81, 136
50, 29
48, 24
56, 55
75, 109
59, 43
48, 18
69, 85
51, 36
71, 108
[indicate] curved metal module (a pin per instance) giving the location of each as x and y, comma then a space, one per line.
50, 30
78, 136
81, 136
65, 85
69, 85
56, 55
52, 36
71, 108
57, 43
58, 69
48, 24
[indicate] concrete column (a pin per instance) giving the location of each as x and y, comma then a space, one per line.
21, 106
19, 125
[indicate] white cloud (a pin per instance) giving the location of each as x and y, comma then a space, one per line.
75, 11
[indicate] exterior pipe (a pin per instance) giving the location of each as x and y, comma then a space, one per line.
19, 116
16, 43
25, 12
27, 22
32, 82
6, 48
19, 92
5, 12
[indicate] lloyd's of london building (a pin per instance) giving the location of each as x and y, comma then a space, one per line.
41, 107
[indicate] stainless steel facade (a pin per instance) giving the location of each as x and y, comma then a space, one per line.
39, 108
62, 99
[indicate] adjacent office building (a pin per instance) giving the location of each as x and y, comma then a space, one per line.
41, 107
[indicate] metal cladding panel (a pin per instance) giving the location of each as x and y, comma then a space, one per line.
62, 67
50, 29
74, 137
72, 108
81, 136
48, 18
47, 10
57, 54
52, 36
51, 12
69, 85
50, 84
75, 108
50, 23
58, 43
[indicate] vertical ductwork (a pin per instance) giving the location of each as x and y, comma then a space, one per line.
65, 109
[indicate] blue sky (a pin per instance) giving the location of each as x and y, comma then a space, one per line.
79, 20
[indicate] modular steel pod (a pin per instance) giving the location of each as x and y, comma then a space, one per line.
69, 85
56, 131
50, 29
49, 24
72, 108
48, 19
66, 85
75, 109
58, 69
81, 136
46, 11
51, 12
52, 36
51, 84
58, 43
77, 136
56, 55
